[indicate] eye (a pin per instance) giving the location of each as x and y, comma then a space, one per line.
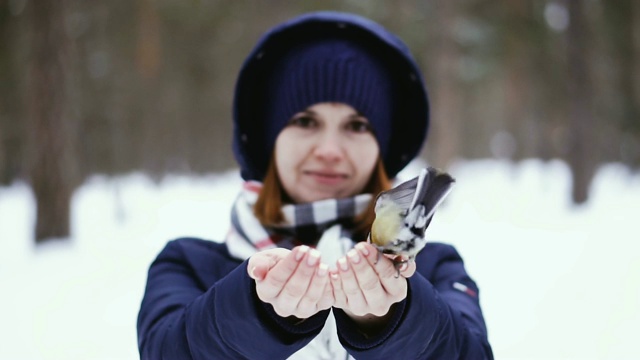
359, 126
304, 121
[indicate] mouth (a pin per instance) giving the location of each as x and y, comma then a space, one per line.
326, 177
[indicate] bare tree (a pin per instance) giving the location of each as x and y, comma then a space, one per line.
622, 44
582, 155
444, 139
50, 139
518, 87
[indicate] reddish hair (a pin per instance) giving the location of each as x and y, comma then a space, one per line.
268, 207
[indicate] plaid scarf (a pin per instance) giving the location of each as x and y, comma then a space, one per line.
325, 224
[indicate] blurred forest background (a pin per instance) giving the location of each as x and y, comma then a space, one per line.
111, 87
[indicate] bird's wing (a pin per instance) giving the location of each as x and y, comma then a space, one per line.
401, 195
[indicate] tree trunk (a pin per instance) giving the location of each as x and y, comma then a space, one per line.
148, 40
444, 133
518, 87
582, 142
623, 46
50, 150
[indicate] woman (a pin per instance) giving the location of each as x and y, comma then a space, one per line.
328, 108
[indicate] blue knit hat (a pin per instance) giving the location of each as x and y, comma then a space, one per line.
329, 57
329, 70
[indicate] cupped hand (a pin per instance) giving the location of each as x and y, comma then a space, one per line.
366, 285
294, 282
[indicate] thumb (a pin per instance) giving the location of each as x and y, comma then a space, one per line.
259, 266
258, 273
260, 263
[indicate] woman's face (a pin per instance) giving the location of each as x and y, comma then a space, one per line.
326, 151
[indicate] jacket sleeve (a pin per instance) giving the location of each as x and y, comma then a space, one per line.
440, 318
181, 319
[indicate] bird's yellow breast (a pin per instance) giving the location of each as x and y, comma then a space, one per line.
386, 225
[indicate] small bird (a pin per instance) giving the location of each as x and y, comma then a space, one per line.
404, 212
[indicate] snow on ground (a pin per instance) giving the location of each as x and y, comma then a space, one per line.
557, 280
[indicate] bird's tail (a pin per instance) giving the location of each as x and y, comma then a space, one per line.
433, 186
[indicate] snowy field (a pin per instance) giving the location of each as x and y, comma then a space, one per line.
557, 281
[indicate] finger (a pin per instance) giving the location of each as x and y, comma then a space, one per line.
308, 304
405, 266
397, 258
260, 263
298, 284
376, 259
259, 268
383, 265
407, 269
393, 285
258, 271
339, 298
365, 273
279, 275
356, 302
369, 280
327, 300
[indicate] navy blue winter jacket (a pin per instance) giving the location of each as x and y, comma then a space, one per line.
199, 303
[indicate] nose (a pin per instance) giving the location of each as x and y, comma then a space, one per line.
329, 147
